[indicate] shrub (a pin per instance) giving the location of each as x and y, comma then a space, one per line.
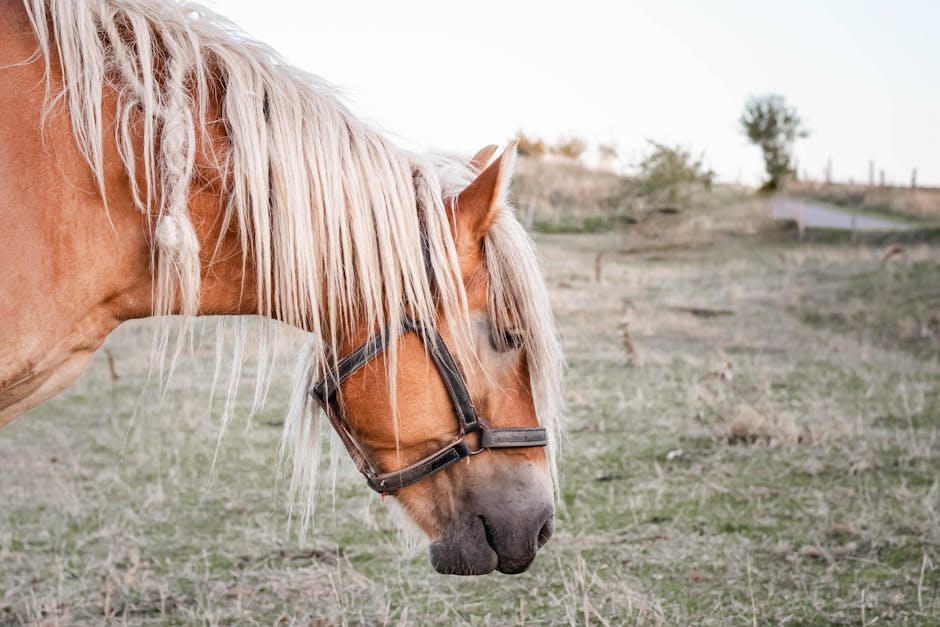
668, 174
530, 146
570, 147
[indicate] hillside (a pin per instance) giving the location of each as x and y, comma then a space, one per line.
560, 195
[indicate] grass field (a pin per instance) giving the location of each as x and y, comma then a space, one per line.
769, 453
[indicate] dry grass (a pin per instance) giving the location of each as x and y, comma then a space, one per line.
561, 194
777, 462
556, 195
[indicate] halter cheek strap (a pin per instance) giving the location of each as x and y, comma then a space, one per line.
325, 392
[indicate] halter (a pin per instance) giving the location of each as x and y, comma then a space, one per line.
325, 392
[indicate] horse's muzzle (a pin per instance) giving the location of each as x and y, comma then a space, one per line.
505, 540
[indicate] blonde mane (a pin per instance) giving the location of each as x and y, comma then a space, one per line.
338, 223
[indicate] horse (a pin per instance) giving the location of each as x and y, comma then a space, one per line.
154, 161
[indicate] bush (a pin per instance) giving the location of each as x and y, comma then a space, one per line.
530, 146
570, 147
668, 174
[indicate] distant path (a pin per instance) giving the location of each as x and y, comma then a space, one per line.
818, 215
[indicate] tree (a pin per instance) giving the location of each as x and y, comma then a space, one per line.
773, 126
668, 173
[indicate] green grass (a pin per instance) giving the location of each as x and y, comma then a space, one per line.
589, 224
804, 489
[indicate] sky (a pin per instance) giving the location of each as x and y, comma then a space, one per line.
457, 76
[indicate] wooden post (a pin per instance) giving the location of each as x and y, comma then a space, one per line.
801, 218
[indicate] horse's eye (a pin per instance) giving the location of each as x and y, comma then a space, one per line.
504, 341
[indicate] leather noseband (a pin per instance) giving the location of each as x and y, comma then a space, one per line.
325, 392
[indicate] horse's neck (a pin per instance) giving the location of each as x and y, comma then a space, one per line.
74, 270
228, 285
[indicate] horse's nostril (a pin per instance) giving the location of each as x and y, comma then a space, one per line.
546, 531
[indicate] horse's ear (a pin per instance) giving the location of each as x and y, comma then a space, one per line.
477, 206
482, 158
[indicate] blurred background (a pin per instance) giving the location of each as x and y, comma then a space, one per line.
737, 210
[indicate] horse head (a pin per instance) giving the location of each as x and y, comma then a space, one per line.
492, 510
